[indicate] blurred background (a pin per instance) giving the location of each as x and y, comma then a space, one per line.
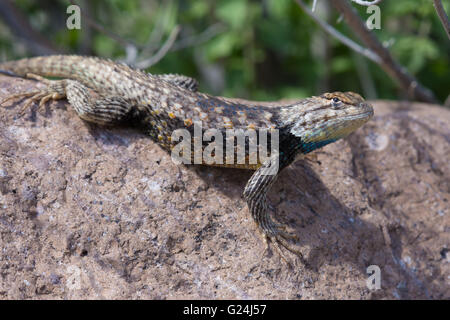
254, 49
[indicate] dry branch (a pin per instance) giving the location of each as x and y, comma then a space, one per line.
383, 57
442, 16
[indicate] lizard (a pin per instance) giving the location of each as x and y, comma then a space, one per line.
110, 93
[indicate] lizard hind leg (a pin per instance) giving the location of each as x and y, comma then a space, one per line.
95, 107
54, 89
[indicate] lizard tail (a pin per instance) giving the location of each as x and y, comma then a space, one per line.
52, 66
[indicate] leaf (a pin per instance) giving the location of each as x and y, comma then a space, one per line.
341, 64
222, 45
279, 8
416, 51
233, 12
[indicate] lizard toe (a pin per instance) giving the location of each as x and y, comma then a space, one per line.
16, 96
280, 241
54, 90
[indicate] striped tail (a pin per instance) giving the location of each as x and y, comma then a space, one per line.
51, 66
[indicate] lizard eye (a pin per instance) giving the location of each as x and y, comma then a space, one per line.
336, 102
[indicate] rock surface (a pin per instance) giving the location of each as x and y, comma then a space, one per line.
92, 212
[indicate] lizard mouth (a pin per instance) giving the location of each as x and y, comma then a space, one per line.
367, 107
363, 114
354, 121
341, 127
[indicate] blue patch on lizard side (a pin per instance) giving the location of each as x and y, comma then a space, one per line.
307, 147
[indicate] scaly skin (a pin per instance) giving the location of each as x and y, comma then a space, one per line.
105, 92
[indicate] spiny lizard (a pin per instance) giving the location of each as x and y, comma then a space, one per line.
108, 93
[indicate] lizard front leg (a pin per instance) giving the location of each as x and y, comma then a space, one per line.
255, 194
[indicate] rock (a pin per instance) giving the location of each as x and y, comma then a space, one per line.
93, 212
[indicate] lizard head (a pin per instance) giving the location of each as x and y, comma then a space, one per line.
320, 120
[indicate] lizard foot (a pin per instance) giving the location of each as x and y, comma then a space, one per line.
277, 235
55, 89
281, 241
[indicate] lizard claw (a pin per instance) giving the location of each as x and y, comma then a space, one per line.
279, 242
33, 97
273, 229
279, 237
18, 95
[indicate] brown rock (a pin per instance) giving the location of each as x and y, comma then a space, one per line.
92, 212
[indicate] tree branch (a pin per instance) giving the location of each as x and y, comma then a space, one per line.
442, 16
161, 52
125, 43
19, 25
333, 32
406, 81
195, 40
132, 49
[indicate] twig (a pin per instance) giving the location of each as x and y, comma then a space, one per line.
408, 82
335, 33
200, 38
189, 41
442, 16
161, 52
133, 48
100, 28
19, 25
162, 20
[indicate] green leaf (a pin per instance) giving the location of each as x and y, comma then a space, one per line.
341, 64
222, 45
279, 8
233, 12
199, 9
416, 51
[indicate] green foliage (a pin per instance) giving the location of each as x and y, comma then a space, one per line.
416, 51
233, 12
266, 49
